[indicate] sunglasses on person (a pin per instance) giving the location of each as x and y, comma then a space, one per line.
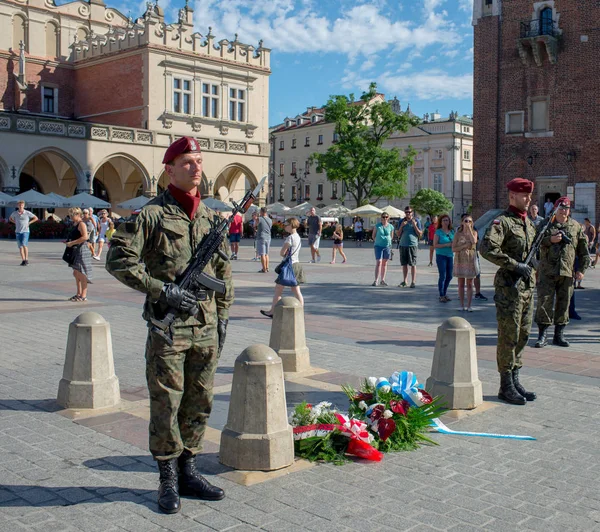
408, 211
385, 217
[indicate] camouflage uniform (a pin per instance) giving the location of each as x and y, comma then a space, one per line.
507, 243
145, 254
556, 267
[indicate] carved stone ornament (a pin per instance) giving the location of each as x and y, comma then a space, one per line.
84, 10
196, 125
109, 15
167, 123
224, 129
249, 133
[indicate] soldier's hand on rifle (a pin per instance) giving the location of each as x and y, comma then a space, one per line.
222, 333
555, 239
179, 299
524, 270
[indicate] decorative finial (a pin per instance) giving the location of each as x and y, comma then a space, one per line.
260, 43
210, 32
235, 37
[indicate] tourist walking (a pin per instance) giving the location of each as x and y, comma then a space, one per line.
103, 224
433, 226
534, 216
91, 229
358, 231
180, 376
78, 238
292, 245
382, 237
409, 233
22, 220
315, 226
564, 243
590, 233
264, 225
253, 223
444, 256
338, 243
464, 246
506, 244
235, 235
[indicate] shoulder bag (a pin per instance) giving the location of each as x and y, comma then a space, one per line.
285, 271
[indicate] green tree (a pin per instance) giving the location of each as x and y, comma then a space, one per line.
431, 202
358, 158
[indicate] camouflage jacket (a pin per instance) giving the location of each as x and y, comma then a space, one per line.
559, 259
156, 247
507, 242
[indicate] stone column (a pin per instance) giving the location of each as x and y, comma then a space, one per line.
454, 369
257, 436
89, 379
288, 336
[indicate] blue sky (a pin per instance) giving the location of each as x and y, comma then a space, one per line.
418, 50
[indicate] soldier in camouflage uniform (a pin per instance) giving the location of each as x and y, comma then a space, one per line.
565, 242
506, 243
147, 255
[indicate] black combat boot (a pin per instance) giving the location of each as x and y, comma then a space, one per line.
542, 340
559, 336
507, 390
193, 483
168, 493
530, 396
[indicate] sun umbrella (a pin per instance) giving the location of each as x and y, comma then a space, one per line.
5, 199
33, 198
61, 200
277, 208
300, 210
335, 210
217, 205
393, 212
84, 200
365, 210
135, 203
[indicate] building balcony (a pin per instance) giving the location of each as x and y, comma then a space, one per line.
536, 35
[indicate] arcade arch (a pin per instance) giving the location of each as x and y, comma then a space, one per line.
53, 170
233, 181
120, 177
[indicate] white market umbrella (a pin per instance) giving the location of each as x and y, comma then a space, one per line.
335, 210
365, 210
393, 212
134, 204
300, 210
35, 199
84, 200
5, 199
61, 200
277, 208
217, 205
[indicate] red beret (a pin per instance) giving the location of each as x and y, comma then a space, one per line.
564, 201
182, 145
520, 185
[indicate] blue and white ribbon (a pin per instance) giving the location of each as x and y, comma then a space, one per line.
440, 427
405, 383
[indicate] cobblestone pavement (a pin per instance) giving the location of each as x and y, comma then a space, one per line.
94, 472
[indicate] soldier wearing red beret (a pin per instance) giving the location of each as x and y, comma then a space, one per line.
148, 255
507, 243
565, 242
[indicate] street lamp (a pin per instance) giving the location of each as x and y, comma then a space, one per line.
281, 191
300, 181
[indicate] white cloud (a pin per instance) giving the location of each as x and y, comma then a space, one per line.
466, 5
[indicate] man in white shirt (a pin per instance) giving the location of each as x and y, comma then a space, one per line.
22, 220
548, 206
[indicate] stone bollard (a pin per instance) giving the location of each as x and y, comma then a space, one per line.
454, 369
257, 436
89, 379
288, 337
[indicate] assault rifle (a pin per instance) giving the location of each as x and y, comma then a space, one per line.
194, 278
531, 259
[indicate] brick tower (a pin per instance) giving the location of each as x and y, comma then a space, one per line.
536, 101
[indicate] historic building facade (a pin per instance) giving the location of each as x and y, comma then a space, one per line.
89, 100
536, 107
443, 162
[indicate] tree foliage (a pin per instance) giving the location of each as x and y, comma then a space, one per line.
431, 202
358, 158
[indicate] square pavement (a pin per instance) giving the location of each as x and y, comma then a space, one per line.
63, 470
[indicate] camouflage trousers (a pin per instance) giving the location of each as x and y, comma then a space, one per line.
514, 312
180, 383
554, 296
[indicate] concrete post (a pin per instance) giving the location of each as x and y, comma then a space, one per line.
257, 436
288, 337
89, 379
454, 369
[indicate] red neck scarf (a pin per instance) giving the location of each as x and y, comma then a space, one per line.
514, 210
188, 202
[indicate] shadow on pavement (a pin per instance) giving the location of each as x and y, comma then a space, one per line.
30, 405
61, 300
401, 343
207, 462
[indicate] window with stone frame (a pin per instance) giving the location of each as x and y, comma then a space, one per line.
320, 191
293, 195
417, 183
293, 167
466, 155
307, 141
438, 182
293, 144
307, 167
320, 139
49, 100
515, 122
438, 154
182, 96
210, 100
237, 105
538, 118
307, 192
281, 169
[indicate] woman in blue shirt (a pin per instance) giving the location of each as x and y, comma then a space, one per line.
444, 256
382, 235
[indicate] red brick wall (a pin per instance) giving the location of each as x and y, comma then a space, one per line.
574, 112
108, 87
